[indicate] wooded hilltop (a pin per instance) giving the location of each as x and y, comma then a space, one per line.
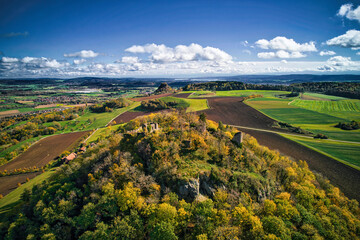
185, 180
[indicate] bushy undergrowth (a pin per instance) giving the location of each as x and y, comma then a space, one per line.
187, 180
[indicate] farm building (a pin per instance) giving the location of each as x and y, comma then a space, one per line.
70, 157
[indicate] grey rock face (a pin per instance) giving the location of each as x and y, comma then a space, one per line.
190, 190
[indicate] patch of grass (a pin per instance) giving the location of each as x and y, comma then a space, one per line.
300, 116
333, 132
323, 96
269, 103
14, 196
181, 103
347, 109
347, 153
99, 120
102, 132
246, 93
196, 105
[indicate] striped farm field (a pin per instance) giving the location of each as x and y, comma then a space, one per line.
347, 109
319, 96
344, 152
246, 93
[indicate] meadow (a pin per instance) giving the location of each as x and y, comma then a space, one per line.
320, 96
192, 105
235, 93
347, 109
347, 153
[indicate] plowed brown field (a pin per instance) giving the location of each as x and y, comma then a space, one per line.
233, 111
43, 151
128, 116
9, 183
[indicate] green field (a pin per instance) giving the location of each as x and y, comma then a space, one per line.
344, 152
191, 105
197, 105
347, 109
317, 117
98, 120
106, 131
246, 93
323, 96
300, 116
235, 93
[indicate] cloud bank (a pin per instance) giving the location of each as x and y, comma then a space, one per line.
181, 60
347, 11
193, 52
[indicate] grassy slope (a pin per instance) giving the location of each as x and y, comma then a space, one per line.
102, 132
14, 196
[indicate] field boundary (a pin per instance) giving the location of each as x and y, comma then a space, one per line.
296, 135
324, 153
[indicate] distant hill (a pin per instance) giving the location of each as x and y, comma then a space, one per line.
256, 79
163, 88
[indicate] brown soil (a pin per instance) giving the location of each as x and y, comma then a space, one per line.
233, 111
139, 99
10, 183
8, 113
128, 116
43, 151
182, 95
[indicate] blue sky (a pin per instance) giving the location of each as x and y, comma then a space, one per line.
142, 38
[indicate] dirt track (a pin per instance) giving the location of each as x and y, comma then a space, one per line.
43, 151
233, 111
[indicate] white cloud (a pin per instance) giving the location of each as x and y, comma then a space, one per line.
280, 54
340, 64
351, 39
79, 61
27, 59
347, 11
340, 61
129, 59
284, 61
82, 54
358, 53
9, 59
286, 44
193, 52
327, 53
